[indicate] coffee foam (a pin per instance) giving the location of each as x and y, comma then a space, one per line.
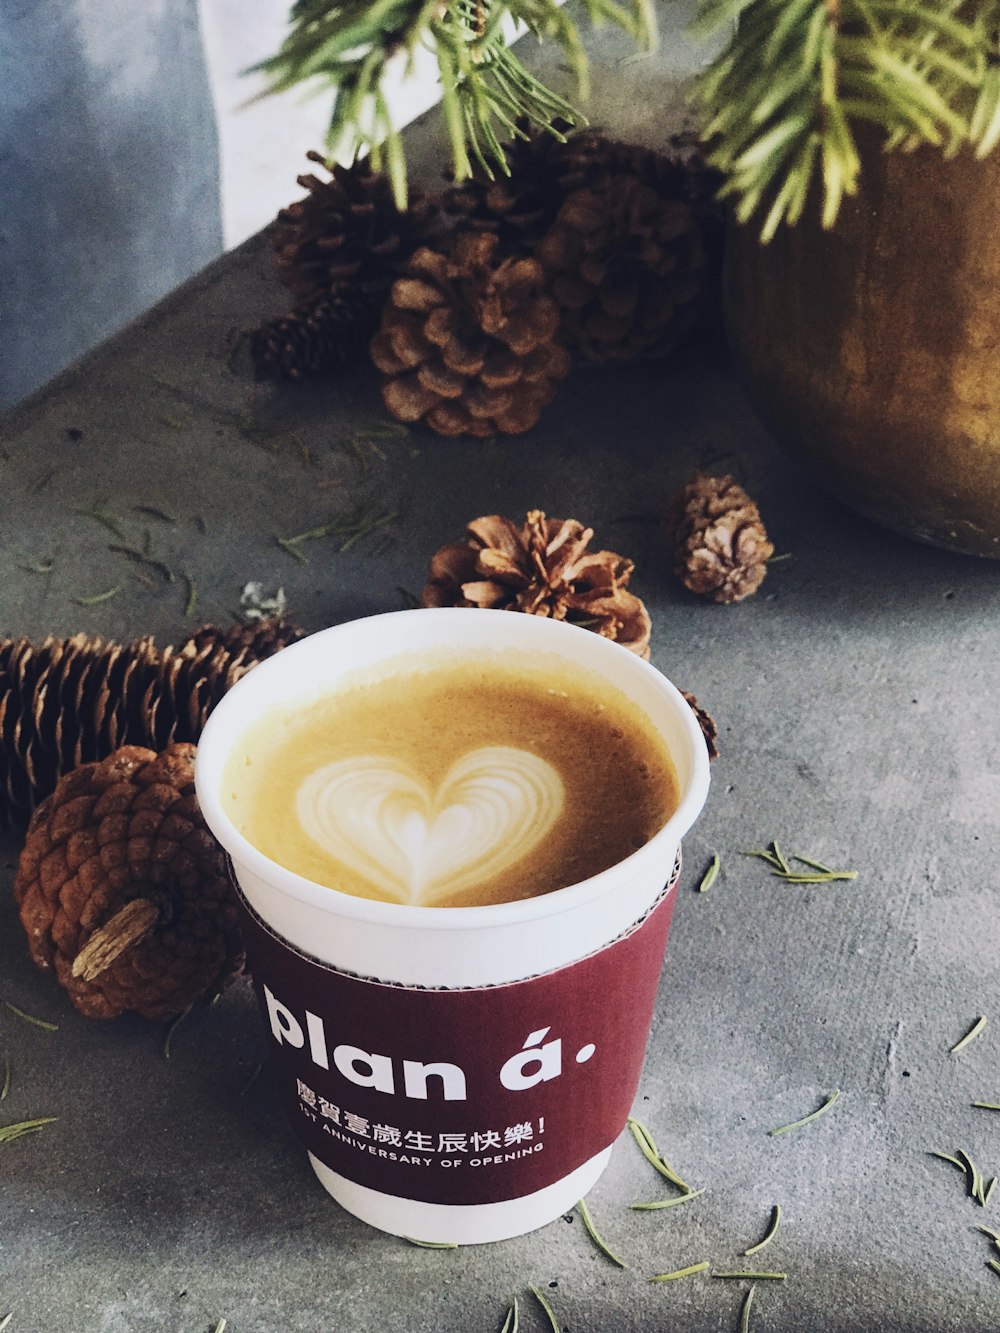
387, 822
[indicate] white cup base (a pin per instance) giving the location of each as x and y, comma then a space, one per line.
461, 1224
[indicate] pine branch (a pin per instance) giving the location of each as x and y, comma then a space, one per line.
781, 102
357, 48
784, 97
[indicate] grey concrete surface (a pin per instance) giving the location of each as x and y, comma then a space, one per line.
856, 701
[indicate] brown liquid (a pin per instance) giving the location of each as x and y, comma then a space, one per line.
428, 733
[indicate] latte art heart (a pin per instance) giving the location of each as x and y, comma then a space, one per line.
381, 819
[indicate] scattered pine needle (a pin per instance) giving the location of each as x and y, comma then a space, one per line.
99, 597
971, 1035
547, 1309
6, 1079
806, 1119
513, 1321
6, 1320
978, 1189
710, 875
106, 520
433, 1244
769, 1235
680, 1272
151, 511
782, 869
649, 1150
30, 1018
16, 1131
350, 529
745, 1311
596, 1236
658, 1204
758, 1275
172, 1029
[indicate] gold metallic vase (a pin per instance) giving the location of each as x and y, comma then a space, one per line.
872, 351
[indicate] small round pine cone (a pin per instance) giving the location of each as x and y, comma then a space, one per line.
722, 547
544, 569
123, 890
709, 728
317, 339
468, 342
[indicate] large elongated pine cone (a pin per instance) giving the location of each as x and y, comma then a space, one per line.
67, 702
544, 568
468, 342
124, 892
627, 268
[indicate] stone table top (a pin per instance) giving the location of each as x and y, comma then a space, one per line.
856, 699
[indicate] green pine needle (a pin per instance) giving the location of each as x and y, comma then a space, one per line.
781, 102
970, 1036
769, 1235
785, 97
17, 1131
649, 1150
806, 1119
657, 1205
596, 1236
30, 1018
358, 49
547, 1309
680, 1273
513, 1321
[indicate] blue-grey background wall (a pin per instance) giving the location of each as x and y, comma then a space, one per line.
108, 172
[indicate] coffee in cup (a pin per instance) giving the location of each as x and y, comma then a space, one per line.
452, 781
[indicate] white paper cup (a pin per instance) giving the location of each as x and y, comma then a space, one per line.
458, 1074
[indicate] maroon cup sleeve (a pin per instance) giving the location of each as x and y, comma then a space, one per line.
464, 1096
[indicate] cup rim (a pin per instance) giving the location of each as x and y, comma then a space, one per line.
662, 845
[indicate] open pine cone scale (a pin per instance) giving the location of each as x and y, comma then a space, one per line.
542, 568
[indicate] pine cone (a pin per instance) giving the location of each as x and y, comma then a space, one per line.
520, 208
67, 702
707, 723
123, 890
315, 340
348, 230
544, 569
467, 344
627, 268
244, 645
722, 546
